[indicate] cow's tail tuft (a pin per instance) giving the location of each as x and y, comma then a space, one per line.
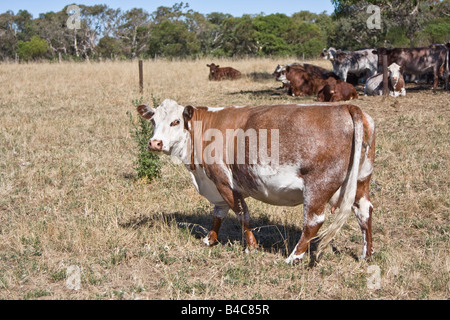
348, 188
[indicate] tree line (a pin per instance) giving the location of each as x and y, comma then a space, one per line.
180, 32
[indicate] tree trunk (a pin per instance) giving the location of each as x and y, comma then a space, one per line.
75, 44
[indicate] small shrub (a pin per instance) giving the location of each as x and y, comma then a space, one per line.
148, 165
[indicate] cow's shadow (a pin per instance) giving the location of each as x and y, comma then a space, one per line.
273, 93
260, 76
271, 237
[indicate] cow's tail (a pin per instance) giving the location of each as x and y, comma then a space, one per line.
348, 189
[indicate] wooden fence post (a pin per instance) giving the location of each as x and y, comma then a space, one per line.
385, 76
141, 76
447, 66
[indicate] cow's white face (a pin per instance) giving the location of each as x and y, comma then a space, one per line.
169, 134
282, 77
394, 69
278, 73
328, 54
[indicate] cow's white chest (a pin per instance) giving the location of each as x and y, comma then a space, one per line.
206, 187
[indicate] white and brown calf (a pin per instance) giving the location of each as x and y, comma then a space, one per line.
396, 85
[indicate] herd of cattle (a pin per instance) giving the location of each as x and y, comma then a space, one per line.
350, 67
319, 154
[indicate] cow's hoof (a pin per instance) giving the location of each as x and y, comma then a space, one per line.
250, 249
294, 259
210, 242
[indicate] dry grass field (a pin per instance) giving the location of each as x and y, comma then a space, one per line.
69, 196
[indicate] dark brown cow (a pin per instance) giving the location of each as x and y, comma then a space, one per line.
337, 90
307, 79
416, 60
316, 154
217, 74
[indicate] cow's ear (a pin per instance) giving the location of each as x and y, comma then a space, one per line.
375, 52
208, 65
187, 115
145, 111
217, 66
288, 68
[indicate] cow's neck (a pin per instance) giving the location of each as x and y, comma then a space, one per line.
194, 140
182, 150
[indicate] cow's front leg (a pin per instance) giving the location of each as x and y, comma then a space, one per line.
244, 218
344, 75
436, 81
220, 212
236, 202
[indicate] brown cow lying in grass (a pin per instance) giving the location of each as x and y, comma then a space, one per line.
306, 79
218, 74
337, 90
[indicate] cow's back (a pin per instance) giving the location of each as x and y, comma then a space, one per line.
307, 79
373, 85
417, 60
355, 61
302, 129
229, 73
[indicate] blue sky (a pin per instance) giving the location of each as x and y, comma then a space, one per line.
234, 7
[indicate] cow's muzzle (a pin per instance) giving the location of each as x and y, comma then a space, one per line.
155, 145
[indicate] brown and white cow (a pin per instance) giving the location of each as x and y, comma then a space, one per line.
280, 73
337, 90
396, 84
317, 154
216, 73
306, 79
416, 60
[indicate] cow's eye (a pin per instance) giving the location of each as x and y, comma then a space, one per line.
175, 123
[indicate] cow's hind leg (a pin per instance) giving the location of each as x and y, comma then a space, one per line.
314, 217
363, 210
220, 212
363, 207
